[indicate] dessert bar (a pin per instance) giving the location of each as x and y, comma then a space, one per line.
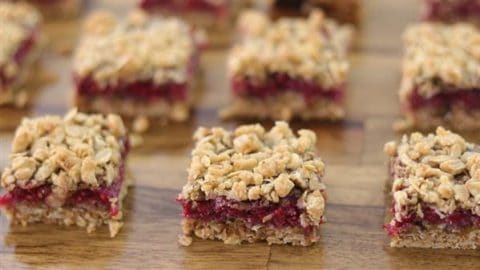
441, 82
343, 11
451, 10
20, 40
290, 68
436, 191
142, 66
67, 171
251, 185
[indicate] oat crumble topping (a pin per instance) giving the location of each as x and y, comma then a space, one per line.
140, 48
251, 163
17, 21
440, 57
70, 153
441, 170
312, 48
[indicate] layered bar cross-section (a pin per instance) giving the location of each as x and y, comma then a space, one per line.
290, 68
20, 40
67, 171
141, 66
251, 185
436, 191
441, 78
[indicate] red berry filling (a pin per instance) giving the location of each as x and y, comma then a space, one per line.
214, 7
140, 90
469, 98
279, 83
145, 90
34, 195
460, 219
451, 10
19, 58
258, 212
99, 197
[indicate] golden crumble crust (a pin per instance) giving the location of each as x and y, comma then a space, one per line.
441, 170
440, 57
139, 48
314, 48
251, 163
17, 21
71, 152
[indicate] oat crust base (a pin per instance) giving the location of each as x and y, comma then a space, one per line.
177, 111
437, 238
283, 107
237, 232
427, 119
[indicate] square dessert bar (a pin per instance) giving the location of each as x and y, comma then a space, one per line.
67, 171
451, 10
436, 191
343, 11
441, 78
290, 68
254, 185
19, 48
143, 66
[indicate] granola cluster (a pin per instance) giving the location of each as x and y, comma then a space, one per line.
251, 164
141, 48
313, 49
17, 21
440, 57
70, 153
441, 170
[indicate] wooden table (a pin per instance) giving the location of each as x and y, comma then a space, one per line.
353, 238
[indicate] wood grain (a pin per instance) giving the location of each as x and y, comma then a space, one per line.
356, 176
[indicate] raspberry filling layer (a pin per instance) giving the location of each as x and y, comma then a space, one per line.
140, 90
144, 90
213, 7
99, 197
19, 57
286, 213
451, 10
469, 98
459, 220
279, 83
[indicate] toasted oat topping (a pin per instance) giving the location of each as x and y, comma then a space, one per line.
440, 57
17, 20
140, 48
441, 170
313, 48
251, 163
73, 152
